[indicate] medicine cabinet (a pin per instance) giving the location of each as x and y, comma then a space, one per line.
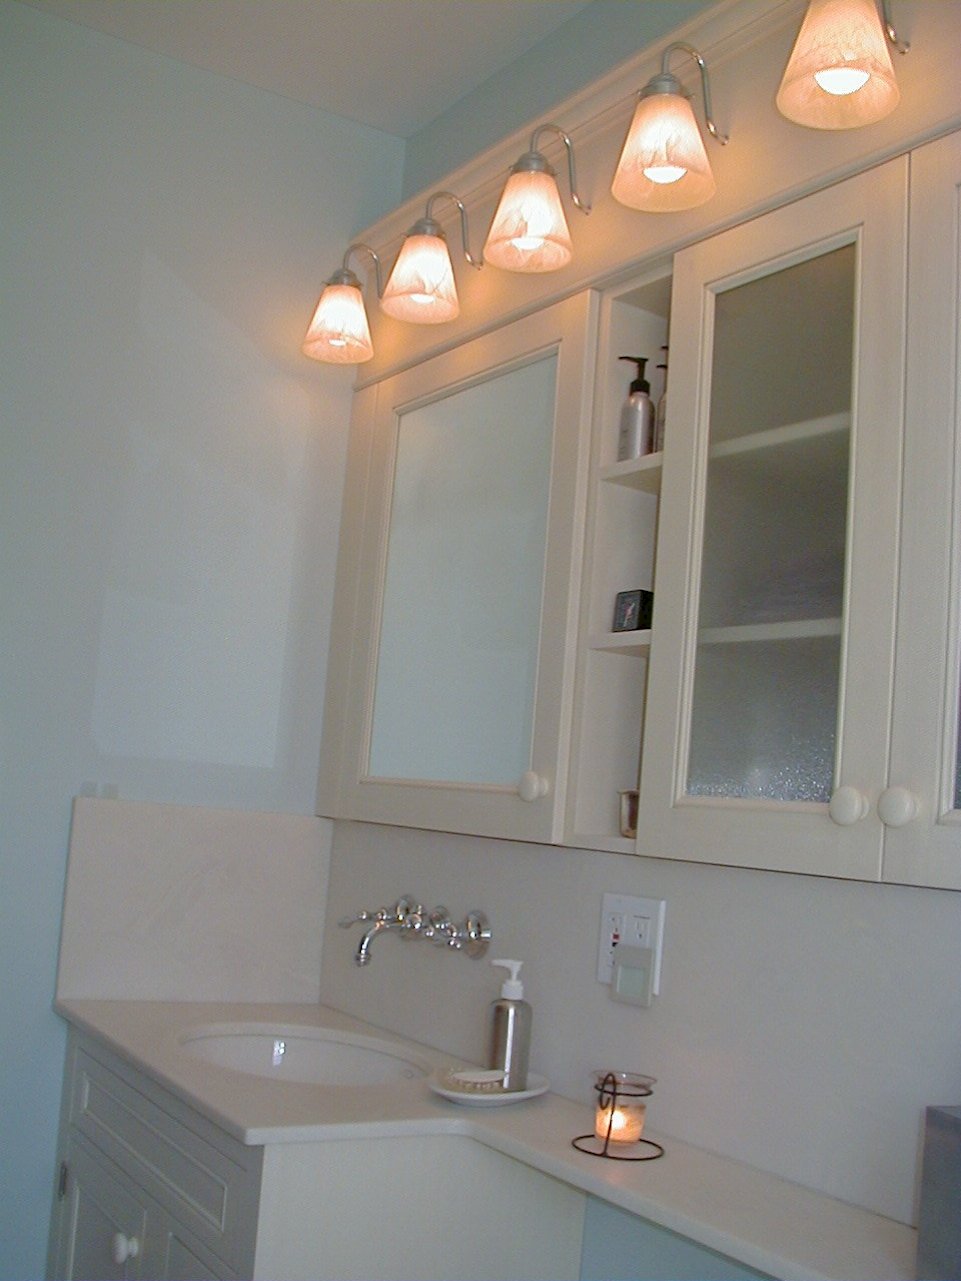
451, 680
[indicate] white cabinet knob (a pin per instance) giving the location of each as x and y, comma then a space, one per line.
532, 786
848, 806
125, 1248
897, 806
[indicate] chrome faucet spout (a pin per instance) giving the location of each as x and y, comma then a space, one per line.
362, 955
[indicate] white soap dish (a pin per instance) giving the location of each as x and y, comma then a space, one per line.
483, 1088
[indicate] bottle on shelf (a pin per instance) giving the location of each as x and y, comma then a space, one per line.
636, 434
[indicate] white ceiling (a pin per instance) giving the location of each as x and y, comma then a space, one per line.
391, 64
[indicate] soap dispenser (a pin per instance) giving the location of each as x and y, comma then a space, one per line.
511, 1029
636, 434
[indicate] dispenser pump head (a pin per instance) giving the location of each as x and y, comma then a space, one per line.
640, 383
513, 988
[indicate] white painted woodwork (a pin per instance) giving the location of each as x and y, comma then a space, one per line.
497, 806
869, 212
924, 749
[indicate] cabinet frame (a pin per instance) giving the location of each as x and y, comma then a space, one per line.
868, 211
346, 789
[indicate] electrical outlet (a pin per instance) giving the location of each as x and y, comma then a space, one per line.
636, 922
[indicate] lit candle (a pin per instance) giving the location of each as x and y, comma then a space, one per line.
621, 1106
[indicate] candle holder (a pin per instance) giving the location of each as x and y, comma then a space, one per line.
619, 1119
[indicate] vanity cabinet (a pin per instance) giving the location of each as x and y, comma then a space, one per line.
151, 1188
450, 684
147, 1187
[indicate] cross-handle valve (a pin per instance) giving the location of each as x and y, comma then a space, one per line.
409, 918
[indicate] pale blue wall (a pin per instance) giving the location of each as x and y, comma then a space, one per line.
621, 1247
170, 479
598, 38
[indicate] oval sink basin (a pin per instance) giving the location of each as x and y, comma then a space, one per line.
311, 1055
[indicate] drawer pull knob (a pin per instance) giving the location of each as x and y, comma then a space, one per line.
532, 786
848, 806
125, 1248
897, 806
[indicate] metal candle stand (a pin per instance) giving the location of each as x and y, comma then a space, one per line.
609, 1091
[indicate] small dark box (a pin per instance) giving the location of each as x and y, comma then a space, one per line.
632, 611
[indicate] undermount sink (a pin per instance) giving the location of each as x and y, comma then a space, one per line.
310, 1055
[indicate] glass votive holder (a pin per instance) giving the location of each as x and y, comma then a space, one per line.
619, 1114
621, 1106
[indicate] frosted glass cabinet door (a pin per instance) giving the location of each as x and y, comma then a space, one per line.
776, 572
450, 681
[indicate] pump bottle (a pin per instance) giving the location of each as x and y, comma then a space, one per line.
636, 435
511, 1030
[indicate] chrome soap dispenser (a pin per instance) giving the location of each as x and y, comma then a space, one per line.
511, 1029
636, 434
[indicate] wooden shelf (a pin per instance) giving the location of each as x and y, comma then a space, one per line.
642, 473
636, 644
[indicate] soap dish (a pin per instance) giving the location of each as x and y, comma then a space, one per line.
483, 1088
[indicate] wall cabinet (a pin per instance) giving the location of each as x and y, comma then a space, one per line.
794, 703
800, 708
451, 676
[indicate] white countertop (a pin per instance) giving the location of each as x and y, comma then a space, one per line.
763, 1221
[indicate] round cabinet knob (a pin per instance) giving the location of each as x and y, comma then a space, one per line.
848, 806
897, 806
125, 1248
532, 786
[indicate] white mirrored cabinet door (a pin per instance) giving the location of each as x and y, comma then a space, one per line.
460, 626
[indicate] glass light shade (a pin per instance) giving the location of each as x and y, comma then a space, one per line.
839, 75
339, 333
421, 286
529, 231
663, 165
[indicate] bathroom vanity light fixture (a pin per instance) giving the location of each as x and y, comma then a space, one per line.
529, 231
840, 75
339, 333
421, 286
663, 165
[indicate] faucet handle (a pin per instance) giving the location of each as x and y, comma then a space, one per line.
347, 921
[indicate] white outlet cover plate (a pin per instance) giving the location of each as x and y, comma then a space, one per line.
638, 922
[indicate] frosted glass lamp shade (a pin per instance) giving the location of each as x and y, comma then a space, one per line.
529, 231
421, 286
839, 75
663, 165
339, 333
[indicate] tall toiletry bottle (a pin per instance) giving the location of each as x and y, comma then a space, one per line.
511, 1030
660, 414
636, 435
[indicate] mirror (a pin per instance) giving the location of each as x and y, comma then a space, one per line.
459, 631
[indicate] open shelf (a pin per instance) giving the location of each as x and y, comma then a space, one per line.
636, 644
637, 473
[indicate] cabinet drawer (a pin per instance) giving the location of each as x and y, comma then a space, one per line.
205, 1179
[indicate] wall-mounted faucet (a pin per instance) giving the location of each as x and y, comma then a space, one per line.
408, 917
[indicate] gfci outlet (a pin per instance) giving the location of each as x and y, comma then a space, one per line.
638, 922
